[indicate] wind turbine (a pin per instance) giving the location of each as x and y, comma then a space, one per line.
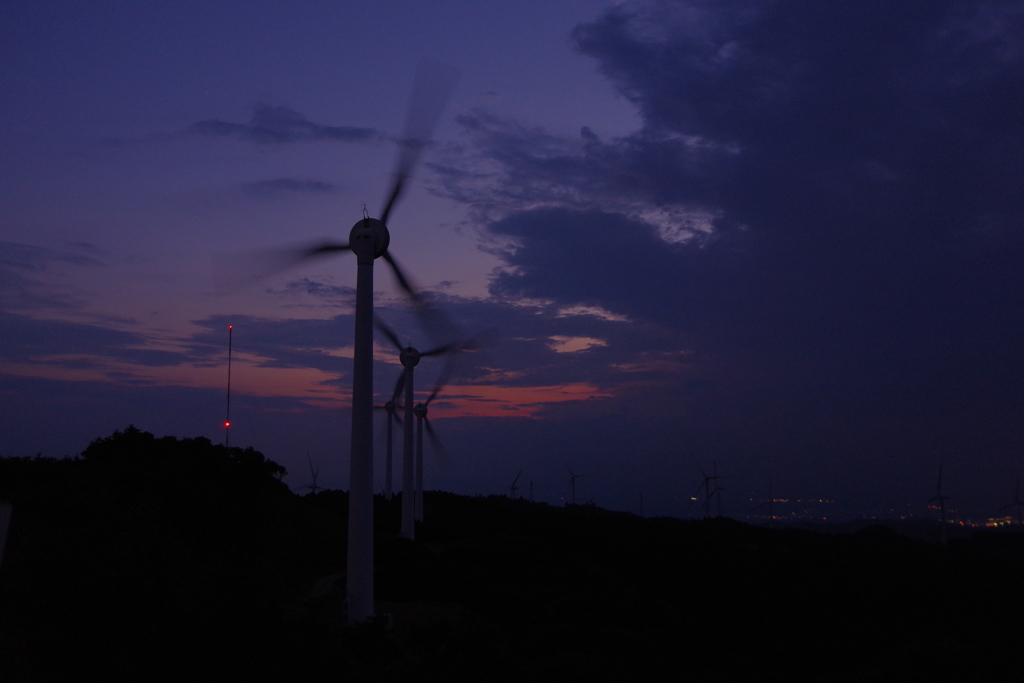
1017, 503
709, 492
770, 503
313, 474
412, 474
572, 483
420, 411
391, 409
369, 239
942, 506
512, 489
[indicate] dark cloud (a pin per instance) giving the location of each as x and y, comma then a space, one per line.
288, 343
332, 293
824, 206
277, 187
26, 270
24, 339
280, 125
32, 258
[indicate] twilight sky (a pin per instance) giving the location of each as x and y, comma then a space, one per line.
786, 238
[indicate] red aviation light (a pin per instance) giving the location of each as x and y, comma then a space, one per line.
227, 424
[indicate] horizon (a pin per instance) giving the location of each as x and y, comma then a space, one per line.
783, 240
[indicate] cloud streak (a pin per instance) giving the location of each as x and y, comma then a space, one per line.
278, 125
277, 187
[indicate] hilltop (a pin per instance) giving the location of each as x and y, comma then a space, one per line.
158, 558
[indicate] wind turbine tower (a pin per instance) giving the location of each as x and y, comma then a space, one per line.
390, 408
422, 421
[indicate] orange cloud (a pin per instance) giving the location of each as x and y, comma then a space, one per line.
496, 401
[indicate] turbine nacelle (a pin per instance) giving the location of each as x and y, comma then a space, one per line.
420, 410
409, 356
369, 239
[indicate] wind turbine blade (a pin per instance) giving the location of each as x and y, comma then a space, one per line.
442, 379
442, 350
234, 271
486, 338
443, 459
398, 388
403, 281
517, 478
435, 323
389, 334
702, 472
432, 88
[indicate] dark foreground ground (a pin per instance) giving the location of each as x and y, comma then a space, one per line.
160, 559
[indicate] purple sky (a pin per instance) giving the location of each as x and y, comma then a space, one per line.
784, 237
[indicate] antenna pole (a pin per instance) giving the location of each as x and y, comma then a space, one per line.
227, 416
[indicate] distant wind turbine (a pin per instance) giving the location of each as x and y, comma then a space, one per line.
711, 488
512, 489
572, 483
770, 503
391, 409
420, 411
313, 474
410, 358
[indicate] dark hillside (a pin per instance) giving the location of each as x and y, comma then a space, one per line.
155, 559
